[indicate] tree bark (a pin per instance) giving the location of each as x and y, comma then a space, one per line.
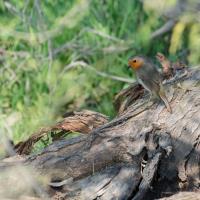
144, 153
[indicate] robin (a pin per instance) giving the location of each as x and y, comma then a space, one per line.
149, 78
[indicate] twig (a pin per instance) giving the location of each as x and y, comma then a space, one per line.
20, 54
24, 20
43, 27
12, 8
103, 74
113, 77
68, 45
104, 35
69, 20
73, 44
164, 29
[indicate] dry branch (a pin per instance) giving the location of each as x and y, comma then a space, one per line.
112, 154
107, 163
82, 122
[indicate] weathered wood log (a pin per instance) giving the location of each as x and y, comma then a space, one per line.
169, 142
82, 122
184, 196
107, 163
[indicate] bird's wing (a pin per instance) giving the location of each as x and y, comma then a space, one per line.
150, 78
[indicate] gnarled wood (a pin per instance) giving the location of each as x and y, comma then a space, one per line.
82, 122
145, 129
107, 163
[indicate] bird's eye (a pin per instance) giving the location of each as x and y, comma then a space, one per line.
134, 61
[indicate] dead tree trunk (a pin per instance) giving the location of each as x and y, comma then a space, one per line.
107, 163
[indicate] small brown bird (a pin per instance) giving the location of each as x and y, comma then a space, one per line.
149, 78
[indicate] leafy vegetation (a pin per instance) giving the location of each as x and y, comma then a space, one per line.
53, 54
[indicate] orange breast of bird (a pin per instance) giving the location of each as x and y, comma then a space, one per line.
135, 64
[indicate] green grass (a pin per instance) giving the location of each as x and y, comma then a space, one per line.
103, 34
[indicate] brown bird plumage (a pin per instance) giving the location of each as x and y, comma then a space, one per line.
149, 77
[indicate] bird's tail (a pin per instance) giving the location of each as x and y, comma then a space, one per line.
164, 99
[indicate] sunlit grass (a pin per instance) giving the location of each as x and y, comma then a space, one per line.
39, 41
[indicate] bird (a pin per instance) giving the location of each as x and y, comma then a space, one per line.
149, 77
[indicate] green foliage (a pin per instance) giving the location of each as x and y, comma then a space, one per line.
48, 139
41, 39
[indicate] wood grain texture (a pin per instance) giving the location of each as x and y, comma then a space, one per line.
170, 141
82, 122
107, 163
